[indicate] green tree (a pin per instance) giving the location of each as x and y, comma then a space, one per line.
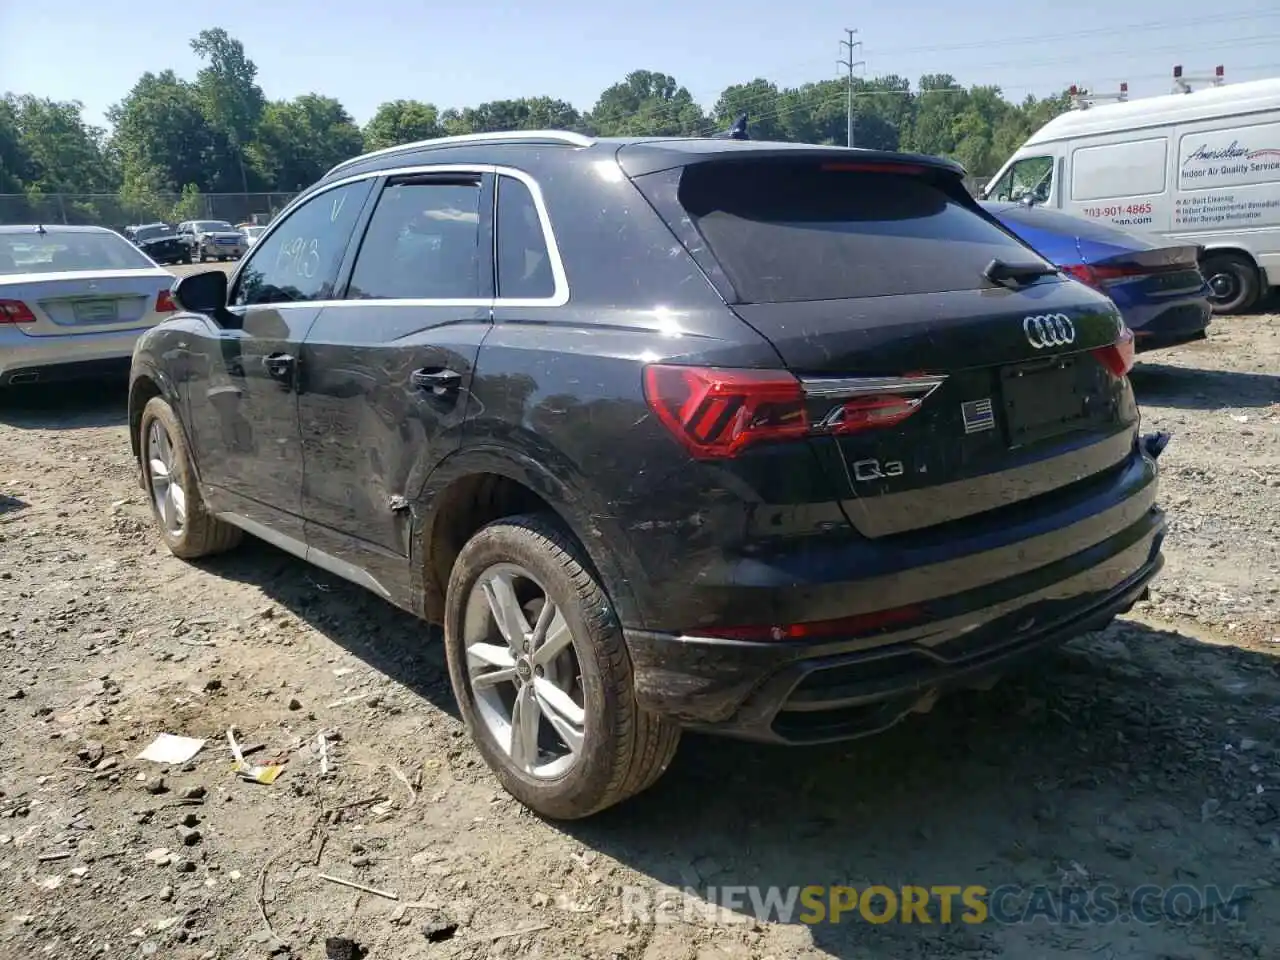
647, 103
63, 153
402, 121
190, 205
527, 113
299, 140
15, 163
232, 100
164, 140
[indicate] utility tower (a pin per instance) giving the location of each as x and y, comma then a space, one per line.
849, 64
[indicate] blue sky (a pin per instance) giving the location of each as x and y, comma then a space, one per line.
464, 53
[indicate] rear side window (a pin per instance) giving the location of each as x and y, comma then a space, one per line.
791, 232
524, 263
1117, 170
423, 243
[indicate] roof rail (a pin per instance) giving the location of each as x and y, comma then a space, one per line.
514, 136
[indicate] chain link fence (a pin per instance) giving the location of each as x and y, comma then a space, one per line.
118, 211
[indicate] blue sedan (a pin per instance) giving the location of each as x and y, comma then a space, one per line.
1159, 289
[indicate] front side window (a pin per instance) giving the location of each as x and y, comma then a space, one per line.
301, 258
423, 242
1030, 176
524, 263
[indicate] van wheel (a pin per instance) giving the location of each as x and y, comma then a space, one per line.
542, 675
188, 528
1233, 282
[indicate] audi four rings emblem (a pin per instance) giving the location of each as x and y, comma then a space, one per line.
1050, 330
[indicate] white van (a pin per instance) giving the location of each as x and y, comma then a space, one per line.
1199, 167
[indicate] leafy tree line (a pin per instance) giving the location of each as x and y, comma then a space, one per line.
220, 133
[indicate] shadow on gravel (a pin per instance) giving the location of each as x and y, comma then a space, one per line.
391, 641
1190, 388
10, 504
1124, 755
66, 406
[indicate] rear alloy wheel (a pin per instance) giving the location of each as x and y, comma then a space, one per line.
542, 675
188, 528
1233, 283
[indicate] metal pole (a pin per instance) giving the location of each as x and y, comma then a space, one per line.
850, 64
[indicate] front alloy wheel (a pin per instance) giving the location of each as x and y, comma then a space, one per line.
167, 495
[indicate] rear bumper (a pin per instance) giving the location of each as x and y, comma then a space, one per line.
211, 249
812, 692
1169, 325
25, 359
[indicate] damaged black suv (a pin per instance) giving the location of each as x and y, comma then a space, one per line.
767, 439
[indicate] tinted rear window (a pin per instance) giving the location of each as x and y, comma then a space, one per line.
789, 232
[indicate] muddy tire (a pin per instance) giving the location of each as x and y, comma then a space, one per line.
1233, 281
555, 718
188, 528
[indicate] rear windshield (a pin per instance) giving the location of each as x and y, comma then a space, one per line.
789, 232
152, 232
210, 226
57, 251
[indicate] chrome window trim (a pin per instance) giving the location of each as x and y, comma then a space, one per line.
559, 297
500, 136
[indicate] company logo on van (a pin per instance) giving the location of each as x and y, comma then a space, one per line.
1233, 151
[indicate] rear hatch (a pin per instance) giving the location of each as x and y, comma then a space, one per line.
933, 392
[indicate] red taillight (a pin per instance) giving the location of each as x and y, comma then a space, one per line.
854, 626
716, 413
15, 311
1120, 356
164, 302
1085, 274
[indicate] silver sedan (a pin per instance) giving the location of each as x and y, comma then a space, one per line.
72, 302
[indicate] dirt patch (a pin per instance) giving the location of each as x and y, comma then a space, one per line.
1143, 755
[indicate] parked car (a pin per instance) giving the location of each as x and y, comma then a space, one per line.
252, 232
213, 240
73, 301
160, 242
1185, 168
1158, 287
770, 440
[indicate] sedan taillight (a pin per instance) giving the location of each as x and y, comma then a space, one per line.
15, 311
164, 302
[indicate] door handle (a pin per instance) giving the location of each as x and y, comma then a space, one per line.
279, 366
438, 380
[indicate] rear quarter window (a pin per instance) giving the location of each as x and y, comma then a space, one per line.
785, 232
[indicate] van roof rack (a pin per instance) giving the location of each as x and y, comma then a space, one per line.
566, 137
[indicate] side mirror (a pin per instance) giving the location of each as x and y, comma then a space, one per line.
202, 293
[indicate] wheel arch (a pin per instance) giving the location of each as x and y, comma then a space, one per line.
477, 485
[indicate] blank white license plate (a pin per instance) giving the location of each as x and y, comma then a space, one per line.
95, 311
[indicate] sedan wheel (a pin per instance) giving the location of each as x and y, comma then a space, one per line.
524, 673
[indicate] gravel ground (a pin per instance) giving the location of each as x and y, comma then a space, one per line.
1145, 754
